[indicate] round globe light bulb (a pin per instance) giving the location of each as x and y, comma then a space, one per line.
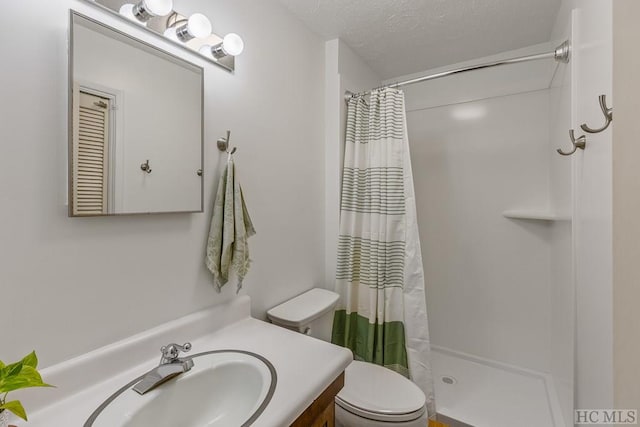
199, 25
159, 7
233, 44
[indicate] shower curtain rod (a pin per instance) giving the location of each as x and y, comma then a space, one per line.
560, 54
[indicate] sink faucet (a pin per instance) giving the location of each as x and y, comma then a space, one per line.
171, 365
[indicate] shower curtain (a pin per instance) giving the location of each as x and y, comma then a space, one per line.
381, 315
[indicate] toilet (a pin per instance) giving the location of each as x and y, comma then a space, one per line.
373, 396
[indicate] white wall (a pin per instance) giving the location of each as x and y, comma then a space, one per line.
345, 71
71, 285
161, 112
487, 276
592, 228
562, 280
626, 206
590, 24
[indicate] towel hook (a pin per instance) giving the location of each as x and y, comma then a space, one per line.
580, 143
146, 167
223, 144
608, 115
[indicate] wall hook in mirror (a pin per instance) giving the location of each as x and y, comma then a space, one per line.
223, 144
580, 143
146, 167
608, 116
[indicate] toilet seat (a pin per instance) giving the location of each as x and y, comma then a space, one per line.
400, 399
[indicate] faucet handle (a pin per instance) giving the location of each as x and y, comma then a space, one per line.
171, 352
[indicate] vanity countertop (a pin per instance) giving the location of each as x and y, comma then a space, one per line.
305, 366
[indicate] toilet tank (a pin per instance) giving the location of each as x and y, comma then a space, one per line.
310, 313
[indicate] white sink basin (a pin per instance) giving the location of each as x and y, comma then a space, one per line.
227, 388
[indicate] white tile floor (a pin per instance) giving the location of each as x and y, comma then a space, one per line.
486, 396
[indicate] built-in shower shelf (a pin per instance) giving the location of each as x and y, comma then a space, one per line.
536, 215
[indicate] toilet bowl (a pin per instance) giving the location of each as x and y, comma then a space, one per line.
372, 396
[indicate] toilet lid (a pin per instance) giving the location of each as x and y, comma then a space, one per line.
374, 392
303, 309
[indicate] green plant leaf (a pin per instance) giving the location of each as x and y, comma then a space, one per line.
30, 360
14, 368
16, 407
27, 377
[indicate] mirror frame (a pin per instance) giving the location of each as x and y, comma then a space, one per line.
70, 202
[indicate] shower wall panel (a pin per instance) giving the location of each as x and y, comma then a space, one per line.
487, 276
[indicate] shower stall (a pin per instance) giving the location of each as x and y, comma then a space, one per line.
494, 209
516, 238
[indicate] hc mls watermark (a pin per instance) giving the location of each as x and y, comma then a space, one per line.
606, 416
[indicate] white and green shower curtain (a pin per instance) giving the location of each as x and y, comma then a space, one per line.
381, 315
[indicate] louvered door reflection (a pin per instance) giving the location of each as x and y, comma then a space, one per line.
91, 144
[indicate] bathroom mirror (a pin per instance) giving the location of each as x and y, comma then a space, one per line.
135, 125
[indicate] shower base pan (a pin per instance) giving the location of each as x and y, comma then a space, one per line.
481, 393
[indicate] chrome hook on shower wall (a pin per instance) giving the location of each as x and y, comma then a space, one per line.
580, 143
608, 115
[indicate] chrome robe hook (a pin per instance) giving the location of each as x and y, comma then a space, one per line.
223, 144
580, 143
146, 167
608, 115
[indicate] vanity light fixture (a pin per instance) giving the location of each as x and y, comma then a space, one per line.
144, 10
232, 44
197, 26
190, 32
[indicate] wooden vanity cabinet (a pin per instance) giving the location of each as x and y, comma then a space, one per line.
321, 413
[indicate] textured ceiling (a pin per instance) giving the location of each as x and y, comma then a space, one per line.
397, 37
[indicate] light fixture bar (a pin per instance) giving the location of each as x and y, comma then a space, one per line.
141, 12
150, 16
